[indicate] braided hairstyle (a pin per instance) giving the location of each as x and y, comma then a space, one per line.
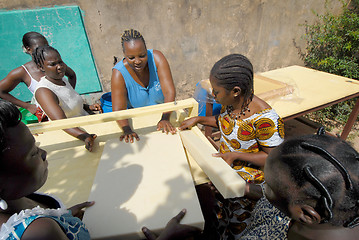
326, 170
10, 116
39, 54
235, 70
130, 35
29, 37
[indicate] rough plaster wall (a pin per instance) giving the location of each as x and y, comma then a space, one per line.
194, 34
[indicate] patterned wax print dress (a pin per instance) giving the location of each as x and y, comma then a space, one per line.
262, 129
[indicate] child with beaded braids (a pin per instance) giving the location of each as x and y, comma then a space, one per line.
142, 78
56, 97
250, 129
314, 180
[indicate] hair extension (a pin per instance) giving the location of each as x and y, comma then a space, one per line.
130, 35
325, 199
321, 131
326, 155
39, 54
10, 116
29, 37
353, 223
235, 70
115, 60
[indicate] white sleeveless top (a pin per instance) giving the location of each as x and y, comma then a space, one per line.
69, 100
33, 82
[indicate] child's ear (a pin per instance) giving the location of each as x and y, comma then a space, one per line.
236, 91
306, 214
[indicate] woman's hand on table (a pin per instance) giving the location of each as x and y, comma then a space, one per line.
128, 135
166, 127
89, 140
77, 210
174, 230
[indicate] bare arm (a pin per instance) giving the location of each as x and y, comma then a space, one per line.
207, 121
13, 79
50, 104
119, 102
168, 89
165, 76
257, 158
71, 75
43, 229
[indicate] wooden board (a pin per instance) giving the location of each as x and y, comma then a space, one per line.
267, 88
226, 180
141, 184
72, 168
312, 89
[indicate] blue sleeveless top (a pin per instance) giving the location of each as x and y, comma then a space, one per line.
138, 96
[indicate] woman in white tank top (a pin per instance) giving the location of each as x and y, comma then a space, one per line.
28, 73
56, 96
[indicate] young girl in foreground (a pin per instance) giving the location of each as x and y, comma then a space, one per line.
56, 97
314, 180
29, 74
250, 129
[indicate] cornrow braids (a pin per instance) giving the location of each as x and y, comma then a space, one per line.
324, 169
325, 199
235, 70
326, 155
10, 116
39, 54
130, 35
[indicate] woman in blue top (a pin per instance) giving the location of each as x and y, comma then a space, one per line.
142, 78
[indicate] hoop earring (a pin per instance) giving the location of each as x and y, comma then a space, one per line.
3, 204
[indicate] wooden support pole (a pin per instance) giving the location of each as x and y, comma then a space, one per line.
352, 118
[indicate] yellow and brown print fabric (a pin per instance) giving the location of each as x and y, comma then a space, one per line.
264, 128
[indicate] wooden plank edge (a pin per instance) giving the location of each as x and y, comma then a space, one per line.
190, 103
226, 180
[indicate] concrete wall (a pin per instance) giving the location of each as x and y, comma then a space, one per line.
194, 34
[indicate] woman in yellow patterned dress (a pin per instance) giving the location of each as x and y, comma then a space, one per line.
250, 129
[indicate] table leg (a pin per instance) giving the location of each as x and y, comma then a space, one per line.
352, 117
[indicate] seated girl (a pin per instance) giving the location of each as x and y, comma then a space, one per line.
314, 180
56, 97
250, 129
29, 74
142, 78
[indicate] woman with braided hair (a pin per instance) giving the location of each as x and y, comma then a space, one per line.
29, 74
142, 78
250, 129
314, 180
56, 97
